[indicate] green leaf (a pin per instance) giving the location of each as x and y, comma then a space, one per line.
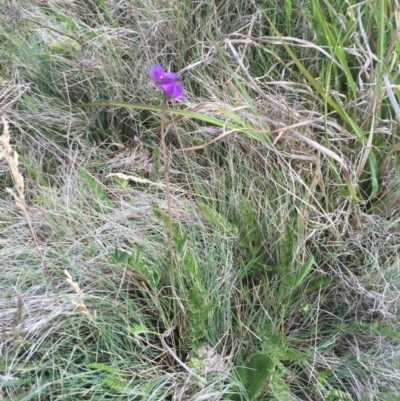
96, 187
116, 384
244, 126
15, 382
154, 277
288, 16
137, 264
254, 374
138, 329
119, 256
105, 10
387, 332
322, 376
103, 367
217, 219
279, 388
301, 274
334, 44
290, 354
337, 395
287, 248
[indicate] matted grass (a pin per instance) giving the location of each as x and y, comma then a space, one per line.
286, 228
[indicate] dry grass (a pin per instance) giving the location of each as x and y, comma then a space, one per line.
85, 306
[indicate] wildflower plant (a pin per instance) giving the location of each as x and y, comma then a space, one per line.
168, 82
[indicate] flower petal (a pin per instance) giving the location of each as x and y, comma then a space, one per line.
156, 72
169, 76
173, 89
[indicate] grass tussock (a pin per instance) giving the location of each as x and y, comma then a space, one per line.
284, 184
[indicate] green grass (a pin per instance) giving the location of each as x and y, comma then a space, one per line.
286, 229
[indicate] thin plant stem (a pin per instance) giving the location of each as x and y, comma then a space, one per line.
168, 194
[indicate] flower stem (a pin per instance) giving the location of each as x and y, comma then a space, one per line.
168, 194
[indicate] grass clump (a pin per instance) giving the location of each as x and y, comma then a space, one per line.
284, 185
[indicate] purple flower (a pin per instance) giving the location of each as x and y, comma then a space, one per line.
167, 81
